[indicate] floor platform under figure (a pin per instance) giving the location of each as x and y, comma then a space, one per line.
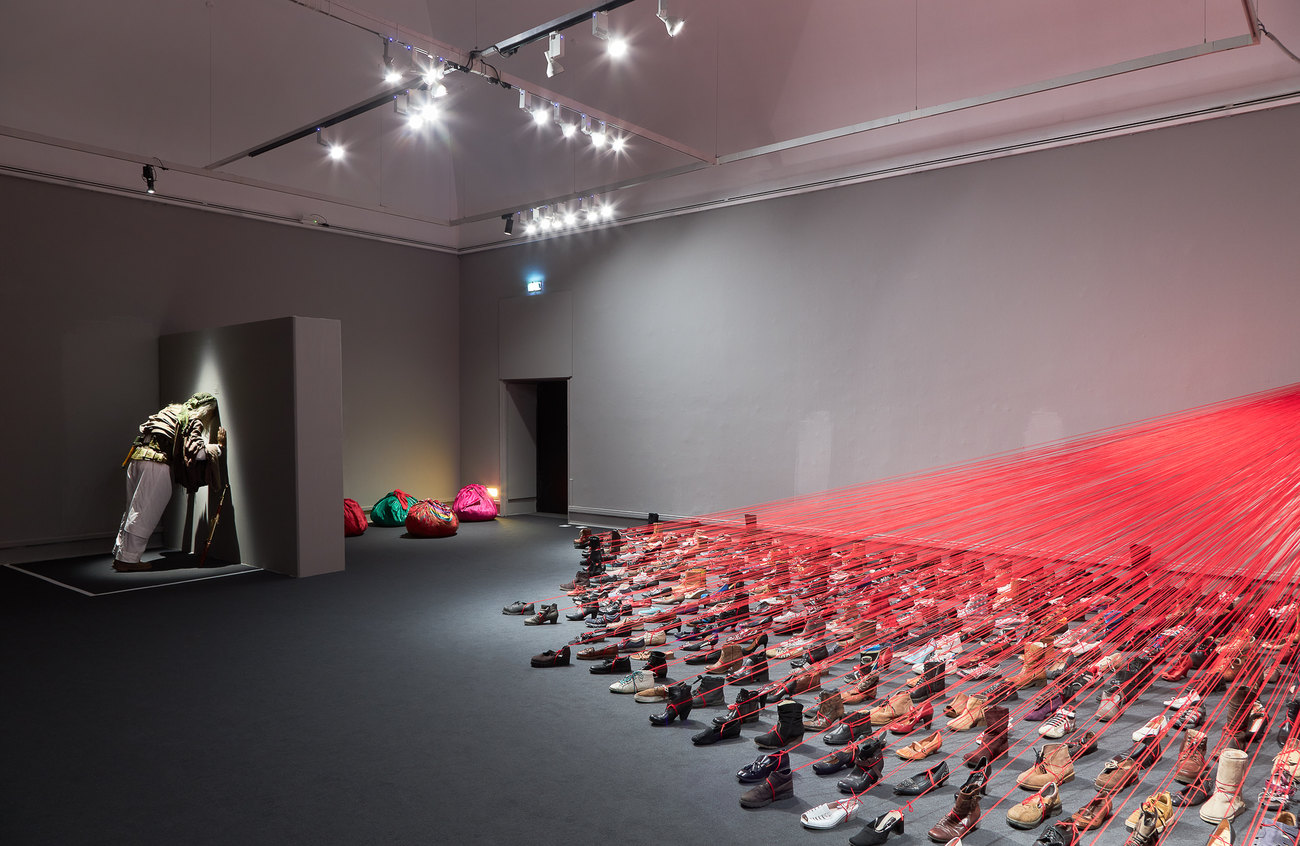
93, 575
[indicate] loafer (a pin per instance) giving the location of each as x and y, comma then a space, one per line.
597, 653
922, 783
519, 607
551, 658
850, 727
826, 816
612, 666
762, 767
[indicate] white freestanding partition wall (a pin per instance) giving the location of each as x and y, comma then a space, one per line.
279, 383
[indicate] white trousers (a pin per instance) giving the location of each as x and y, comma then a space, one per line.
148, 488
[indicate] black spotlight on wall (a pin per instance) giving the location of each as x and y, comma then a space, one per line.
510, 223
148, 176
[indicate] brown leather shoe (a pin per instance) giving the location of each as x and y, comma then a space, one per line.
131, 566
923, 748
596, 653
1094, 814
962, 819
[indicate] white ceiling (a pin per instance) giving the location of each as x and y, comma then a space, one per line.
753, 97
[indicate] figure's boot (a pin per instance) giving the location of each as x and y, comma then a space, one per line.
1226, 803
829, 709
728, 659
678, 708
657, 664
788, 728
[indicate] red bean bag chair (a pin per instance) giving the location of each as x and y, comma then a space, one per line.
429, 518
473, 503
354, 518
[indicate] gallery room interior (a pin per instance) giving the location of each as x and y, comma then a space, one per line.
922, 371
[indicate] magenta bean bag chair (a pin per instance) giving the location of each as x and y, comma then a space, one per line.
473, 503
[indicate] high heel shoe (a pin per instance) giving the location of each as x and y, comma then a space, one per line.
918, 715
878, 830
545, 614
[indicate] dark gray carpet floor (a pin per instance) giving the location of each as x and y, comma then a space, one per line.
392, 704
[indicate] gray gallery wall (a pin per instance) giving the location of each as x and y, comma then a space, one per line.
747, 354
91, 281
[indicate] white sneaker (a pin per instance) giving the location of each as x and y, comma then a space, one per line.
634, 682
1153, 727
831, 814
1059, 725
1189, 698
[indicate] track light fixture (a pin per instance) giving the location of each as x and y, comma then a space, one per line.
595, 130
433, 75
509, 220
391, 74
554, 52
336, 151
615, 46
147, 174
538, 107
564, 118
673, 23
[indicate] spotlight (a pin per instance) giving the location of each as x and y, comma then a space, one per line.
673, 23
607, 212
336, 151
391, 74
567, 126
618, 144
509, 223
554, 52
615, 46
568, 215
536, 106
148, 176
595, 130
433, 77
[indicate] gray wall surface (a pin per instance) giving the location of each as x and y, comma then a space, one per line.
748, 354
90, 283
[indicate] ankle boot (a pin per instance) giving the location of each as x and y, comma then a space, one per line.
746, 703
709, 691
679, 705
545, 614
779, 785
864, 690
1226, 802
993, 740
870, 765
972, 715
1033, 669
830, 707
788, 728
932, 682
1292, 713
728, 658
657, 664
1191, 757
752, 669
962, 819
897, 706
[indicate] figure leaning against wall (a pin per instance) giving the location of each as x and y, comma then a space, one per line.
172, 447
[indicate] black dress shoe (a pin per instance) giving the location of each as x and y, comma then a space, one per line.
763, 766
865, 778
610, 666
850, 727
551, 658
702, 645
836, 761
923, 783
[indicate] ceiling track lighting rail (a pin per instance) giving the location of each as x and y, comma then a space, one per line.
511, 45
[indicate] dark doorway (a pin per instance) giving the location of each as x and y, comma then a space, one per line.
553, 447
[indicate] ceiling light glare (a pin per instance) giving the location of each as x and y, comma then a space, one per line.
570, 217
337, 152
565, 120
415, 120
540, 116
391, 76
530, 228
618, 143
672, 23
607, 212
617, 48
595, 130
